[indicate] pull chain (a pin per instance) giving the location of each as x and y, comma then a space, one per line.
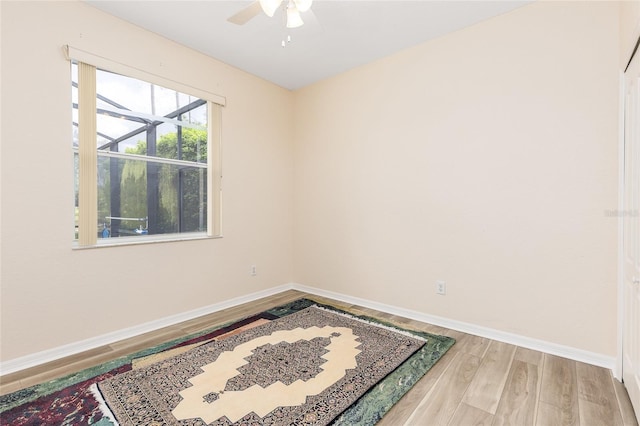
288, 40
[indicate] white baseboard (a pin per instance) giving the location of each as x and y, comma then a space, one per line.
38, 358
575, 354
32, 360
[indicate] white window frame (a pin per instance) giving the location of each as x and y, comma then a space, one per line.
87, 131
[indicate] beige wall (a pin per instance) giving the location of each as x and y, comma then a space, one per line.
486, 158
52, 295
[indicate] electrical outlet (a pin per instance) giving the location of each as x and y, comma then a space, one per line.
253, 272
441, 287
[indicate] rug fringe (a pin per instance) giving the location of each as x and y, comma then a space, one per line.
102, 404
375, 324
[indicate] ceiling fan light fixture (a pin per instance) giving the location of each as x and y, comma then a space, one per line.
294, 20
303, 5
269, 7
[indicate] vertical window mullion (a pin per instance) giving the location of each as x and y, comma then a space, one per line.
87, 156
153, 182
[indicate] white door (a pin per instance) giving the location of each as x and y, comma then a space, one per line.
631, 235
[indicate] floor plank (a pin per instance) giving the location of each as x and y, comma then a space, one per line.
626, 409
468, 343
559, 393
550, 415
471, 416
596, 396
485, 390
529, 356
440, 403
519, 400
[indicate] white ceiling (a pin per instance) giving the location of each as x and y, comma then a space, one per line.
338, 34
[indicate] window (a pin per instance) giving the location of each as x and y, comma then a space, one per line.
142, 160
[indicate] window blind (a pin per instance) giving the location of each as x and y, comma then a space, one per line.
87, 158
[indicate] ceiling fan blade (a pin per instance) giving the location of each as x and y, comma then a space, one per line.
246, 14
311, 24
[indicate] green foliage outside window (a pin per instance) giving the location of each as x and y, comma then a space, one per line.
171, 177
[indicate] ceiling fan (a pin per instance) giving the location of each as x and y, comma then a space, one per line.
269, 7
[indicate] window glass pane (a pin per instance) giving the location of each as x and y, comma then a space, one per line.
115, 128
76, 179
178, 204
74, 100
132, 110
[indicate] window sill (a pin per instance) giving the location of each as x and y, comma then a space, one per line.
151, 239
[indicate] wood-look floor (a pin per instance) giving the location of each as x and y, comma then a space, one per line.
478, 382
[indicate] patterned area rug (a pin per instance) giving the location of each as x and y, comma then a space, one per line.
305, 368
70, 401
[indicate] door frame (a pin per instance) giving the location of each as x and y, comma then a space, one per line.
617, 372
619, 366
